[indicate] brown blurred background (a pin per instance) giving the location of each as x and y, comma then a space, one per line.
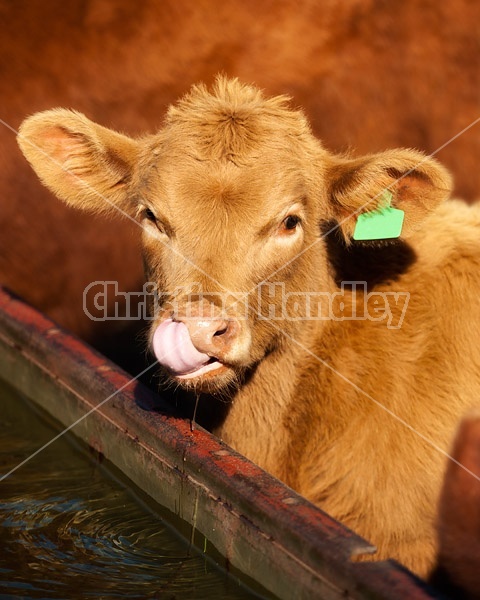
370, 74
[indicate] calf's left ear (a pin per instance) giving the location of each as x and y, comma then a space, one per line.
86, 165
403, 179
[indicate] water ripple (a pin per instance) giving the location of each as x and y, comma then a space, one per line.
68, 531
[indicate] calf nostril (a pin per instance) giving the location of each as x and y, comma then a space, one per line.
212, 336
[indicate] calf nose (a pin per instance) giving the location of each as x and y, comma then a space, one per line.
212, 336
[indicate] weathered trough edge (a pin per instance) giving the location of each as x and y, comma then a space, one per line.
263, 528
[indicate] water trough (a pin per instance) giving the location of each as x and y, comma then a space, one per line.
262, 527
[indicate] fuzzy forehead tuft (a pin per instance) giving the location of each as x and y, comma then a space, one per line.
233, 121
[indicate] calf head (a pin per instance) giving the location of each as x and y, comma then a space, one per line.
229, 196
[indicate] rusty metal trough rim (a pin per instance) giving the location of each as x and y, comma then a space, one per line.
265, 529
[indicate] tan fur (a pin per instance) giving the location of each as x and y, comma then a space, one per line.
67, 148
353, 415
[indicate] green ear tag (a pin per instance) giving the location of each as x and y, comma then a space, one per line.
381, 224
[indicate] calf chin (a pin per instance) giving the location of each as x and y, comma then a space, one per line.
221, 380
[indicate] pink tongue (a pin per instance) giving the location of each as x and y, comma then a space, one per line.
174, 349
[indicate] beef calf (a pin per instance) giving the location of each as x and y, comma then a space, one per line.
253, 233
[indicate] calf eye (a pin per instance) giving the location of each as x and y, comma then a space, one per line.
147, 214
289, 224
150, 215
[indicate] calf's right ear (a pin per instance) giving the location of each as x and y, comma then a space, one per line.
86, 165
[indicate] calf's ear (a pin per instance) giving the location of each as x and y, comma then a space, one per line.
86, 165
404, 179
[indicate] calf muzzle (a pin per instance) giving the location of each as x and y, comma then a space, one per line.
190, 346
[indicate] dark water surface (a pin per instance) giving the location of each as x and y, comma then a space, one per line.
71, 528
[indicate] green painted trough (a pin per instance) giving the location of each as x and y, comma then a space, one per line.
259, 525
